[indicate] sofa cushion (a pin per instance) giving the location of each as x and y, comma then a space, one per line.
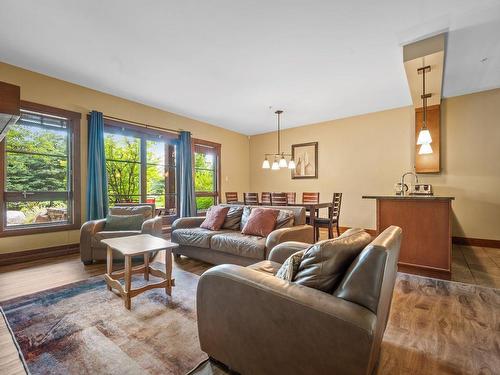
96, 239
261, 222
215, 218
198, 237
145, 210
233, 218
239, 244
244, 216
290, 267
324, 264
266, 266
123, 222
285, 219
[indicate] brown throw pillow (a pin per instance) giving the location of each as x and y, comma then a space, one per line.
233, 218
285, 219
289, 269
324, 264
215, 218
261, 222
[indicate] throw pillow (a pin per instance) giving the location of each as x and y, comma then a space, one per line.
324, 264
289, 269
244, 216
261, 222
285, 219
215, 218
124, 222
233, 218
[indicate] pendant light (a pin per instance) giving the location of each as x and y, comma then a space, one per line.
424, 136
279, 158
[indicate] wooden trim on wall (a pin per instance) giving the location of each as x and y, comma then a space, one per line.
476, 242
29, 255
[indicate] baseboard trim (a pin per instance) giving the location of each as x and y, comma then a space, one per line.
48, 252
476, 242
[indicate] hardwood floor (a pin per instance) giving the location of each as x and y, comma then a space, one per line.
473, 265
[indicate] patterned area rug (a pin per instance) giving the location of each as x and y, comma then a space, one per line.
83, 328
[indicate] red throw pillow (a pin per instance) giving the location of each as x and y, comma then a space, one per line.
261, 222
215, 218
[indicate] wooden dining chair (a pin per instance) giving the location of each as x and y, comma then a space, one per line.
332, 219
291, 198
251, 199
279, 199
231, 197
311, 198
265, 198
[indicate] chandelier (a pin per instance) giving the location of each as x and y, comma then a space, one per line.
280, 158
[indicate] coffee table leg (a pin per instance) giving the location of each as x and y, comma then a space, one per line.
109, 263
146, 266
128, 280
168, 271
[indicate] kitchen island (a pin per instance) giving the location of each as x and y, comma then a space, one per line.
426, 223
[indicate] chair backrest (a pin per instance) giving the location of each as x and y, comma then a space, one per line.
310, 197
279, 199
231, 196
335, 210
291, 197
251, 199
265, 198
147, 209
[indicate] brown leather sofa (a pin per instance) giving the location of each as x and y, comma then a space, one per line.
231, 246
256, 323
92, 232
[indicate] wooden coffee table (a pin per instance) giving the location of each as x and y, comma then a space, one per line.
142, 244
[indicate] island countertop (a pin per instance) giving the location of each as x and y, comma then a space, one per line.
409, 196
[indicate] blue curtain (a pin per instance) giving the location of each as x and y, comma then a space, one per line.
185, 169
97, 183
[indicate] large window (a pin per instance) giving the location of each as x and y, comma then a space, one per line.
40, 188
140, 165
206, 174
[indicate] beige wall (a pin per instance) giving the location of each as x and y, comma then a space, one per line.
49, 91
367, 155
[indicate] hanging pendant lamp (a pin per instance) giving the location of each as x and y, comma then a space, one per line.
424, 138
280, 158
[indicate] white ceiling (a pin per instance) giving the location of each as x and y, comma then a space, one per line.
225, 61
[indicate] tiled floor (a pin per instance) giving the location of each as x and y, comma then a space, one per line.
476, 265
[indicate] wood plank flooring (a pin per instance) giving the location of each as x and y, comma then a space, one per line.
473, 265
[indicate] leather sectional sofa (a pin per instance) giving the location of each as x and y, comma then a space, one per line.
230, 245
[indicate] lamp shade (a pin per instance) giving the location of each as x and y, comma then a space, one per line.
424, 137
265, 164
283, 163
291, 164
426, 148
275, 166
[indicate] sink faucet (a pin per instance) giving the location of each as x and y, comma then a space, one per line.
403, 181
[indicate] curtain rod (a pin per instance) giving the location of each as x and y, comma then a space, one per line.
142, 124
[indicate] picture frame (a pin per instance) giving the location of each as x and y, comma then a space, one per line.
305, 156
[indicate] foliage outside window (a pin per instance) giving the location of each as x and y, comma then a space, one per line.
38, 191
206, 172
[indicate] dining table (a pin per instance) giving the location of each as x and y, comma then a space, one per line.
313, 209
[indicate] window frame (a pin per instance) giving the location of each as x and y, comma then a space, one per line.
142, 132
74, 119
217, 193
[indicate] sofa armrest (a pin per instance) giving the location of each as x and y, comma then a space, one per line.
87, 231
299, 233
187, 222
277, 320
152, 226
281, 252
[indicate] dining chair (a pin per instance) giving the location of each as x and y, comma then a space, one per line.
332, 219
279, 199
231, 197
310, 198
291, 198
251, 199
265, 198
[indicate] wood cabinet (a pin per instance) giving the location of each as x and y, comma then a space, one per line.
10, 104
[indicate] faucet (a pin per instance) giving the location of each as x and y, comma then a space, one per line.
403, 181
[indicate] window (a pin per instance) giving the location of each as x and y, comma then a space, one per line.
206, 174
140, 165
40, 190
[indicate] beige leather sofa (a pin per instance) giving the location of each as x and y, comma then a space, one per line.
92, 232
231, 246
256, 323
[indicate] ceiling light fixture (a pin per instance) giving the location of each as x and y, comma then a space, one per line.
279, 158
424, 136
